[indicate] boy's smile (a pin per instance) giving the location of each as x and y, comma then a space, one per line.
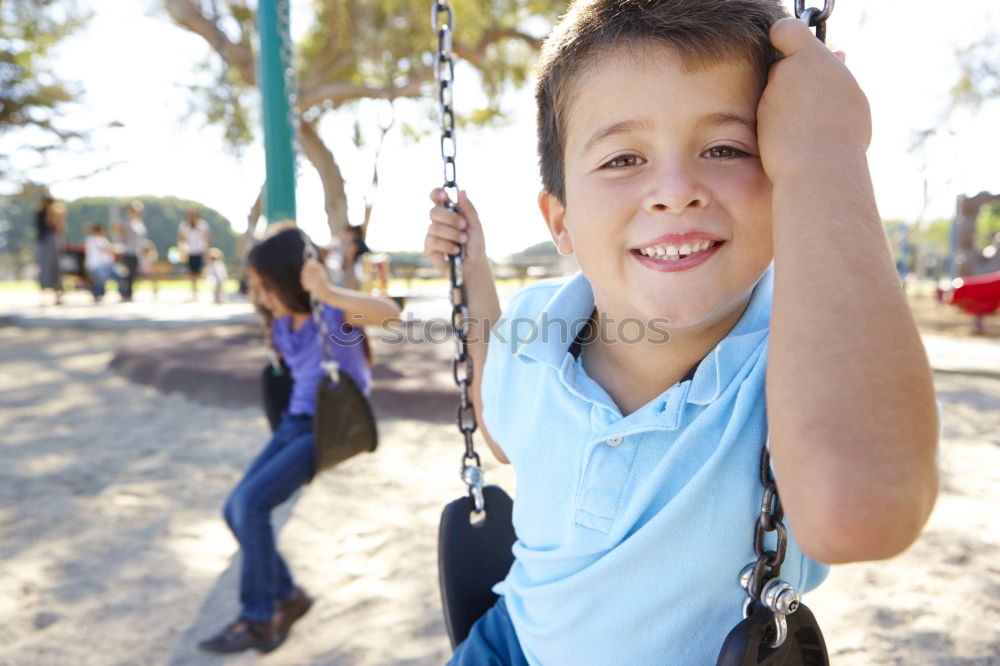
667, 206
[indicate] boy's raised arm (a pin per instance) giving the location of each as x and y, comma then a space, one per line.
448, 228
851, 404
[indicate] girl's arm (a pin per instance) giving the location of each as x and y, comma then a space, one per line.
852, 415
447, 229
360, 309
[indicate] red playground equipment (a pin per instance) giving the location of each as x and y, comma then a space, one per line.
977, 295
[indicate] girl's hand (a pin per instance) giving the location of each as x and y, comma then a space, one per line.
448, 228
315, 278
812, 113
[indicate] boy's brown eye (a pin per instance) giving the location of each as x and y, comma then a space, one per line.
623, 161
724, 152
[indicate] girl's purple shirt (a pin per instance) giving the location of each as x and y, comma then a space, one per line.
303, 353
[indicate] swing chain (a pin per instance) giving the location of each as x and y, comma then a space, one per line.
442, 20
815, 17
760, 578
329, 365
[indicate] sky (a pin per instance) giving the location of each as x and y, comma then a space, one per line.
134, 66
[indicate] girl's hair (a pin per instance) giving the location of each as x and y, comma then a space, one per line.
278, 261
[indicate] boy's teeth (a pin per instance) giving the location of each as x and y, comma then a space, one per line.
674, 252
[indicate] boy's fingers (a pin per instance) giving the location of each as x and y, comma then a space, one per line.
447, 232
439, 246
842, 55
447, 216
468, 210
791, 34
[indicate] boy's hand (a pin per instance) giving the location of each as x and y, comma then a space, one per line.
448, 228
315, 278
812, 110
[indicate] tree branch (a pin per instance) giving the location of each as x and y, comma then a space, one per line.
188, 15
475, 54
338, 93
334, 197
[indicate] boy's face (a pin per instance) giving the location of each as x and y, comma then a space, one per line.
667, 207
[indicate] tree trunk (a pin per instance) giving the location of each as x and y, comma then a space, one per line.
334, 197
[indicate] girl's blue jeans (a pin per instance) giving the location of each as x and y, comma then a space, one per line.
491, 641
284, 466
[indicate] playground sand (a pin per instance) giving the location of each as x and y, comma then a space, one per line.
112, 550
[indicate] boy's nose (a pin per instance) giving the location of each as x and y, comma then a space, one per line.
675, 189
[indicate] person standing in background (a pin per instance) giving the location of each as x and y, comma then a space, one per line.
50, 223
194, 239
100, 261
131, 232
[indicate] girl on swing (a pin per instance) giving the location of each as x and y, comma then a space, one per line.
281, 282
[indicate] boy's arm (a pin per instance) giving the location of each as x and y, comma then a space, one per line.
851, 411
447, 229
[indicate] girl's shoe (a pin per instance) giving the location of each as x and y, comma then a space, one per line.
290, 610
243, 635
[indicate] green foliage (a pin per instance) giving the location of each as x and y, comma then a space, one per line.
31, 95
408, 259
162, 215
979, 80
988, 224
539, 249
383, 46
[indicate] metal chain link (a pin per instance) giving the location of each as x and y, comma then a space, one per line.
815, 17
760, 578
442, 20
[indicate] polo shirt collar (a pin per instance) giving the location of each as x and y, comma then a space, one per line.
717, 370
558, 324
570, 308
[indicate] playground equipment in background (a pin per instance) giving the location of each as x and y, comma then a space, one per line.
978, 295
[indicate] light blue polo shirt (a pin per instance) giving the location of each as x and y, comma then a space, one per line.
631, 531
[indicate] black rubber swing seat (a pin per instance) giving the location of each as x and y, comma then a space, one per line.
344, 423
472, 558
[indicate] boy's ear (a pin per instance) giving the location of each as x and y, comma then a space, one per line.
554, 212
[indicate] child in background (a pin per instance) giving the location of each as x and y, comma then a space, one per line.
281, 283
216, 274
683, 146
99, 260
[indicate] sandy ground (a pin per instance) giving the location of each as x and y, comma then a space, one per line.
112, 550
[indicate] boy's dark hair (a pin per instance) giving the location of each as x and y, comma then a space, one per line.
701, 32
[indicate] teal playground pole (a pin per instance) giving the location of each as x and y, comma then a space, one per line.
279, 151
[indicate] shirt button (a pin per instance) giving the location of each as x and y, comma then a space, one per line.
614, 441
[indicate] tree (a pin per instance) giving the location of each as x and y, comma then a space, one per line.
31, 95
979, 80
360, 50
161, 215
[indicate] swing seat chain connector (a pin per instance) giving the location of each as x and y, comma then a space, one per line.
472, 475
777, 595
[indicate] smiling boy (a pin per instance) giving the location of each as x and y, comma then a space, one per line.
679, 157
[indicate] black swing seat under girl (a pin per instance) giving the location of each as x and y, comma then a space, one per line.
344, 423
